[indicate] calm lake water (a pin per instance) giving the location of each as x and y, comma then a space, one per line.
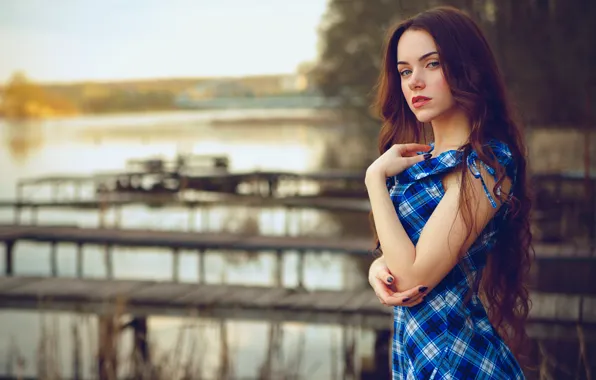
86, 145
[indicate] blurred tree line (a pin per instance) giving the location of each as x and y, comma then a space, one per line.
544, 47
22, 99
130, 100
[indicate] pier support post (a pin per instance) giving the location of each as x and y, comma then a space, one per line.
274, 351
54, 259
349, 339
175, 265
101, 215
224, 353
279, 267
300, 269
288, 215
76, 352
118, 216
201, 266
107, 363
8, 257
108, 262
79, 260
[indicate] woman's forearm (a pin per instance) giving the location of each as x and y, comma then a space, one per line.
398, 251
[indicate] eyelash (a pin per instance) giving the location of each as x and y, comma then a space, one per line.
437, 62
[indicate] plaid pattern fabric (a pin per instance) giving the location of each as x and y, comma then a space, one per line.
444, 337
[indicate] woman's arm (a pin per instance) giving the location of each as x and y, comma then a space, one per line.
443, 238
383, 283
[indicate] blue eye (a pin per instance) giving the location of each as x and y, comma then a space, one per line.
434, 64
403, 73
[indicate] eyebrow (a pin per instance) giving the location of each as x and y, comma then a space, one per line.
419, 59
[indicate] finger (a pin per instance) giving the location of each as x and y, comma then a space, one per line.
413, 148
411, 293
414, 302
384, 293
414, 160
408, 302
410, 297
385, 277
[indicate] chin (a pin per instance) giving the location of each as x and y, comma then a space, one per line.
425, 116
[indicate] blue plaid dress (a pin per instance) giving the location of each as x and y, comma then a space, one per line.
444, 337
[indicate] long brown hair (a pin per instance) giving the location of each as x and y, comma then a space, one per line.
477, 86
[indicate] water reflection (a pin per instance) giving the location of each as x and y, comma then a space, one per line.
91, 144
22, 139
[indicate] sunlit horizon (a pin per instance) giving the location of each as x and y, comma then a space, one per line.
102, 41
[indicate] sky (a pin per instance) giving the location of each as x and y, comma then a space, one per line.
74, 40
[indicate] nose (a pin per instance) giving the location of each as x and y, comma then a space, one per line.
416, 81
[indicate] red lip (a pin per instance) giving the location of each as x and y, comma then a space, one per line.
419, 99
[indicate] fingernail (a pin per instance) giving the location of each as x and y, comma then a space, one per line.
389, 279
405, 300
423, 289
427, 156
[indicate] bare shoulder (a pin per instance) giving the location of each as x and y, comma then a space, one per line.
452, 182
451, 179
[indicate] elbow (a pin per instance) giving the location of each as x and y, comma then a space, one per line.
408, 282
406, 273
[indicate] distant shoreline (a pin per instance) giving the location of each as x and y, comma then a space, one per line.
221, 117
316, 120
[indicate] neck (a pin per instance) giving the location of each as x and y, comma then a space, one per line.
451, 130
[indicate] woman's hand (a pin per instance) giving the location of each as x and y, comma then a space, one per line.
383, 283
397, 159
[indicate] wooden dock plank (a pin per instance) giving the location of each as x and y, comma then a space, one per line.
270, 297
172, 200
204, 295
331, 300
239, 297
160, 292
357, 301
296, 299
92, 289
188, 240
199, 240
9, 283
241, 302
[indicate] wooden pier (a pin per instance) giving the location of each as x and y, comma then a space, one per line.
119, 200
116, 202
238, 302
563, 295
172, 181
556, 269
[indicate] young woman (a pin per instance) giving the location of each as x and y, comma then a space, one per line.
451, 217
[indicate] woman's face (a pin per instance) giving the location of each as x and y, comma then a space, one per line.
422, 81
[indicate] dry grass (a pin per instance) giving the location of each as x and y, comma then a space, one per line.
106, 348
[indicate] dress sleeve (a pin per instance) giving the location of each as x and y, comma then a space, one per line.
504, 158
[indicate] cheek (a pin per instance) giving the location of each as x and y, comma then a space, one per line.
405, 89
440, 86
